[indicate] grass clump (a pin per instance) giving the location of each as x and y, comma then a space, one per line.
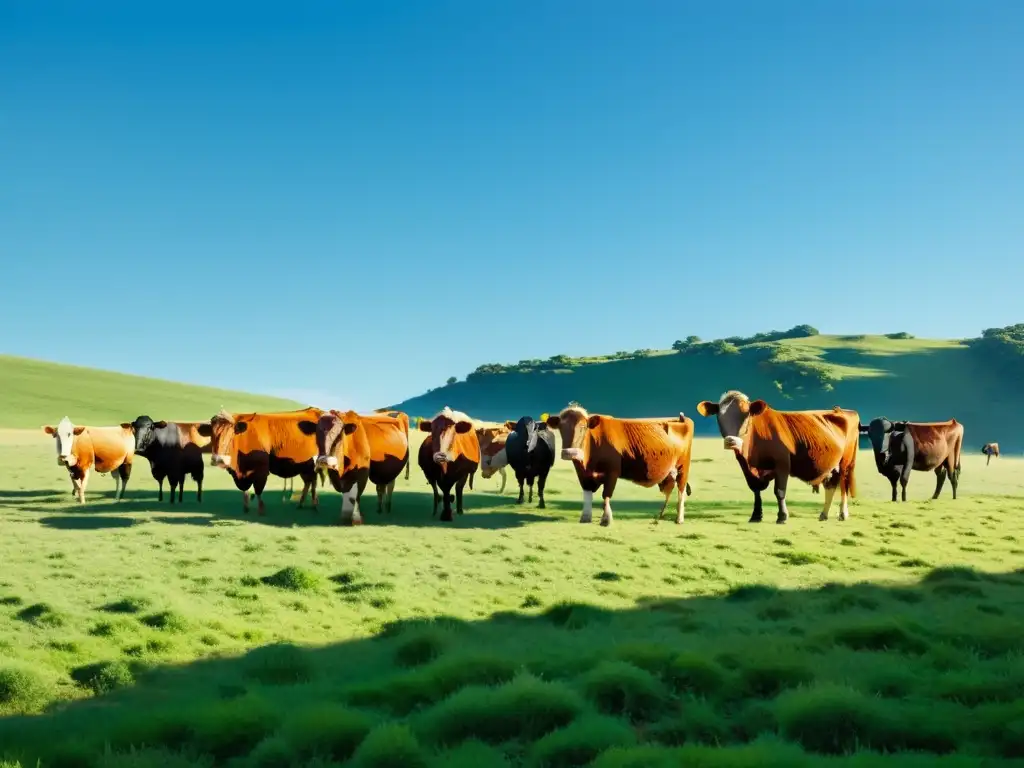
230, 729
294, 579
41, 615
167, 621
696, 674
325, 730
880, 635
23, 688
581, 741
391, 746
135, 604
473, 754
104, 676
766, 676
279, 664
421, 647
525, 708
619, 688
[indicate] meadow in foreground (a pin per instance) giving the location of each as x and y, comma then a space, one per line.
194, 635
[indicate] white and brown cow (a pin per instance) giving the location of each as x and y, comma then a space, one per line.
493, 458
84, 450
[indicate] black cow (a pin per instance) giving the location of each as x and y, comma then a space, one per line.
174, 449
530, 449
893, 446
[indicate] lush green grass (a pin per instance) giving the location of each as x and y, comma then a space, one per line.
513, 636
38, 393
915, 379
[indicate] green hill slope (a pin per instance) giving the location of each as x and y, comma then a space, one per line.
977, 381
34, 393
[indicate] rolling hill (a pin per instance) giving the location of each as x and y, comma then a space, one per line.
36, 393
977, 381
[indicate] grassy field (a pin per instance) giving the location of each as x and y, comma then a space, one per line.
158, 636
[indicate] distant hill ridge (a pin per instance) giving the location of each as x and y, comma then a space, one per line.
978, 381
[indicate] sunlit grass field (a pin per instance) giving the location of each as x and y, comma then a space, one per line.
152, 635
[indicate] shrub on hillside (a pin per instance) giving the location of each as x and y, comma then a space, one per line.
22, 688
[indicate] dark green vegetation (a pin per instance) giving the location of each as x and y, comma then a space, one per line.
150, 636
894, 375
37, 393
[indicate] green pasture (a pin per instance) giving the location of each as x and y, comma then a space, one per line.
139, 634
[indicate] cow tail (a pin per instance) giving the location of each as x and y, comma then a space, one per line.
689, 492
471, 480
851, 480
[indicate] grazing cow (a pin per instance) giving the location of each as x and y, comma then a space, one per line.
340, 438
492, 452
253, 446
901, 446
87, 449
990, 450
449, 456
174, 449
647, 452
530, 448
817, 447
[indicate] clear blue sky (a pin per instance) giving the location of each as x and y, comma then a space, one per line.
350, 202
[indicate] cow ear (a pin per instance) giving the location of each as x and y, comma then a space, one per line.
510, 425
307, 427
462, 427
160, 424
552, 421
707, 408
126, 425
350, 427
78, 430
899, 425
424, 425
593, 422
206, 430
758, 407
240, 427
50, 431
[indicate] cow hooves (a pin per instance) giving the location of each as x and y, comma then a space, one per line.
822, 517
605, 522
782, 520
755, 519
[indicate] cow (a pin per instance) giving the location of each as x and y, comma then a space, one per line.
492, 452
83, 450
448, 456
174, 449
647, 452
990, 450
404, 418
530, 450
253, 446
340, 438
816, 447
900, 446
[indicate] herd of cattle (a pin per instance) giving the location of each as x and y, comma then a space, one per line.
350, 450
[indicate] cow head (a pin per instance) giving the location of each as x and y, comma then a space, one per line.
527, 429
145, 432
574, 424
223, 428
492, 442
64, 433
733, 411
880, 432
443, 428
331, 430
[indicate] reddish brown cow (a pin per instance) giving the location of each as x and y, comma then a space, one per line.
253, 446
449, 456
492, 451
990, 450
83, 450
404, 418
647, 452
388, 444
817, 447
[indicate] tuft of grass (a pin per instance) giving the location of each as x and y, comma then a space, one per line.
531, 601
746, 592
798, 558
581, 741
11, 600
913, 562
104, 676
134, 604
167, 621
41, 615
392, 745
696, 674
880, 635
294, 579
607, 576
419, 648
279, 664
23, 688
619, 688
325, 730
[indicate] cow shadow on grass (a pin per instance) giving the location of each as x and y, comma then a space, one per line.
410, 510
750, 675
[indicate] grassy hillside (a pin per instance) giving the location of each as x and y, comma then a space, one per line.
976, 381
37, 393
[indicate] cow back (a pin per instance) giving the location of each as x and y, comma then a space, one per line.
387, 437
188, 434
105, 448
278, 434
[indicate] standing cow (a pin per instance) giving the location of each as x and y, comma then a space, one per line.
492, 452
530, 448
404, 419
253, 446
448, 457
900, 446
817, 447
647, 452
990, 450
83, 450
174, 449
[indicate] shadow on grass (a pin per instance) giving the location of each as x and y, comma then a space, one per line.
755, 676
410, 509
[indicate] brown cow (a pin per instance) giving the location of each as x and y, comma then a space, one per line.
404, 418
449, 456
253, 446
648, 452
83, 450
990, 450
817, 447
337, 443
902, 446
492, 451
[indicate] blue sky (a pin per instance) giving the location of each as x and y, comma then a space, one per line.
350, 202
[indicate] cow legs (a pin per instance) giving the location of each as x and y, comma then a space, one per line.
529, 482
940, 479
258, 484
160, 486
458, 496
287, 491
954, 477
391, 493
446, 509
84, 481
437, 498
609, 489
504, 479
308, 481
542, 480
781, 481
893, 477
117, 484
519, 479
588, 507
830, 491
353, 516
757, 486
381, 493
988, 460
